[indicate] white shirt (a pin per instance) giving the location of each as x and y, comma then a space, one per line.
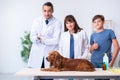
50, 34
80, 44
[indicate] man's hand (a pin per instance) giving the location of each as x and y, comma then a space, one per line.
93, 47
39, 37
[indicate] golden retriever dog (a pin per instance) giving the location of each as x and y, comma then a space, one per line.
60, 63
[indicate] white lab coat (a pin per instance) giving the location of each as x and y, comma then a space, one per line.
80, 44
50, 38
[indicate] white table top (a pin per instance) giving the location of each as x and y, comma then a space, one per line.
37, 72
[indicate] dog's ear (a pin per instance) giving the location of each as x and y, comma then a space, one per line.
51, 64
51, 58
58, 61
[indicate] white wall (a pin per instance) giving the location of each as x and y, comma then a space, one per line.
16, 16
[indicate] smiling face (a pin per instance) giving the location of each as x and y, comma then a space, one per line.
98, 24
70, 26
47, 11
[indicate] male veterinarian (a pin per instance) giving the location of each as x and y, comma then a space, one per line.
45, 33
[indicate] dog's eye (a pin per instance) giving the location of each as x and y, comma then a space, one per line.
51, 54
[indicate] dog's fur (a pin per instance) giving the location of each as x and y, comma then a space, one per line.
60, 63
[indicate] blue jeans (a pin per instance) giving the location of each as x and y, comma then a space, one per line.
98, 65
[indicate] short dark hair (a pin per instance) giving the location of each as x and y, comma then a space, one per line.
48, 4
98, 16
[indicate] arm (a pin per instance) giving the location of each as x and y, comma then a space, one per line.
91, 43
85, 45
56, 35
60, 48
93, 46
116, 51
34, 32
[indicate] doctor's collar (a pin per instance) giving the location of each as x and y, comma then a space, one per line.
49, 18
70, 33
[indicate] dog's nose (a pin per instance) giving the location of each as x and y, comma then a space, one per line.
46, 58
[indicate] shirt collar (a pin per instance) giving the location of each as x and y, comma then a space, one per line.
49, 18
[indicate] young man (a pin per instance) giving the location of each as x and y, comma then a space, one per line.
101, 41
45, 33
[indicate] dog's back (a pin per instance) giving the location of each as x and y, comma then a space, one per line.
85, 65
77, 65
60, 63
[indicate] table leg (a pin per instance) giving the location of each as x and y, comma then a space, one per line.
36, 78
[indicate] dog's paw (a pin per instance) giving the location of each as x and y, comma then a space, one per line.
50, 69
43, 69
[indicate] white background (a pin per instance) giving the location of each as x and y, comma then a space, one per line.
16, 16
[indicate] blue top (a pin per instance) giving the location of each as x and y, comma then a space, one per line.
104, 41
71, 46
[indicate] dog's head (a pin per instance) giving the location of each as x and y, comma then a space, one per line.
55, 59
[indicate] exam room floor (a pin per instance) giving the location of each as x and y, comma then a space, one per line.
13, 77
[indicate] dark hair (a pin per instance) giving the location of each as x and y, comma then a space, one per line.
70, 18
98, 16
48, 4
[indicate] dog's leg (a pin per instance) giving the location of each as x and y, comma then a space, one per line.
64, 69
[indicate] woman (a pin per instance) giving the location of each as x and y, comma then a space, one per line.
73, 42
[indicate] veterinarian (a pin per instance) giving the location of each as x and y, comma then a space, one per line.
73, 41
45, 34
101, 41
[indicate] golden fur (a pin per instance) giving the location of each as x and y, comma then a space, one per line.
60, 63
